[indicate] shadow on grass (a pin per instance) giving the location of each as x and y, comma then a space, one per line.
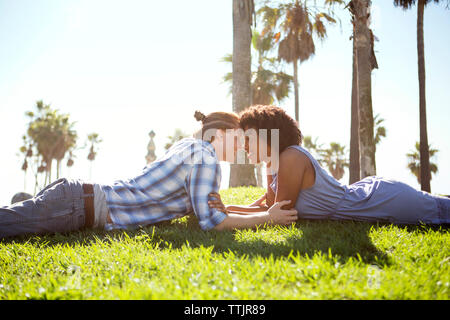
344, 239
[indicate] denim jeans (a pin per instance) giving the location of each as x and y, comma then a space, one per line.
443, 204
59, 207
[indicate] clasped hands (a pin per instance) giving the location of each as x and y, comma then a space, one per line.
275, 213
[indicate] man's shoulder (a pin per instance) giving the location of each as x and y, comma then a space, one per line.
193, 151
193, 143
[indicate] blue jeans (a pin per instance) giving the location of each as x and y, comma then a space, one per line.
59, 207
443, 204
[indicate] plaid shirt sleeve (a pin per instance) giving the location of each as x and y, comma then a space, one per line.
204, 179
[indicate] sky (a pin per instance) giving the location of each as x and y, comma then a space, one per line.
122, 68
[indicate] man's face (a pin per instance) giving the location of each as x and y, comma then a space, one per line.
233, 141
256, 145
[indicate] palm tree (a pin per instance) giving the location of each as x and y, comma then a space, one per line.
70, 161
365, 62
414, 163
334, 159
313, 146
94, 139
299, 23
269, 83
380, 131
177, 135
27, 150
298, 44
66, 142
424, 152
355, 166
31, 159
243, 11
52, 134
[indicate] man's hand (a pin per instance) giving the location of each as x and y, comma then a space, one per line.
275, 215
217, 204
280, 216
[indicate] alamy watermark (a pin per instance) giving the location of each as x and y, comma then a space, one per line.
262, 144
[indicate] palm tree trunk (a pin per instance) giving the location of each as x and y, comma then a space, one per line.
259, 177
242, 174
36, 173
363, 49
425, 175
354, 126
46, 177
58, 167
296, 91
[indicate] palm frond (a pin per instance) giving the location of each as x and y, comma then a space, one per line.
227, 58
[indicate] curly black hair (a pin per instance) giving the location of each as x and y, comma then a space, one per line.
272, 117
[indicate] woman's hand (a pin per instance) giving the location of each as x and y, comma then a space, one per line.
258, 203
218, 204
280, 216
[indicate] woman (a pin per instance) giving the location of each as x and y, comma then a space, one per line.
175, 185
315, 194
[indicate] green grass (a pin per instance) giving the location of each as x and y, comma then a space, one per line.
177, 260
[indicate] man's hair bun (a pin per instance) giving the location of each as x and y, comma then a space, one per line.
199, 116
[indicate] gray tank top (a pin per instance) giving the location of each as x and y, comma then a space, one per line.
320, 199
371, 199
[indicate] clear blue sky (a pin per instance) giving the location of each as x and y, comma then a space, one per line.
123, 68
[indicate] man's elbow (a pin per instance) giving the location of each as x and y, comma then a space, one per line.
224, 225
220, 227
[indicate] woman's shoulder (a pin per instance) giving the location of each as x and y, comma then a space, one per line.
293, 154
295, 159
291, 162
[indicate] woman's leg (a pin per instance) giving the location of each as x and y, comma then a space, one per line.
59, 207
443, 204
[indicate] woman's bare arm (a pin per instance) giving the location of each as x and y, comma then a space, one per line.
275, 215
237, 209
290, 176
291, 169
290, 179
270, 198
260, 201
257, 206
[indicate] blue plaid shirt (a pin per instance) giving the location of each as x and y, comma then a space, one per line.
171, 187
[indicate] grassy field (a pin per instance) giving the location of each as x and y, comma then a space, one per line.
177, 260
